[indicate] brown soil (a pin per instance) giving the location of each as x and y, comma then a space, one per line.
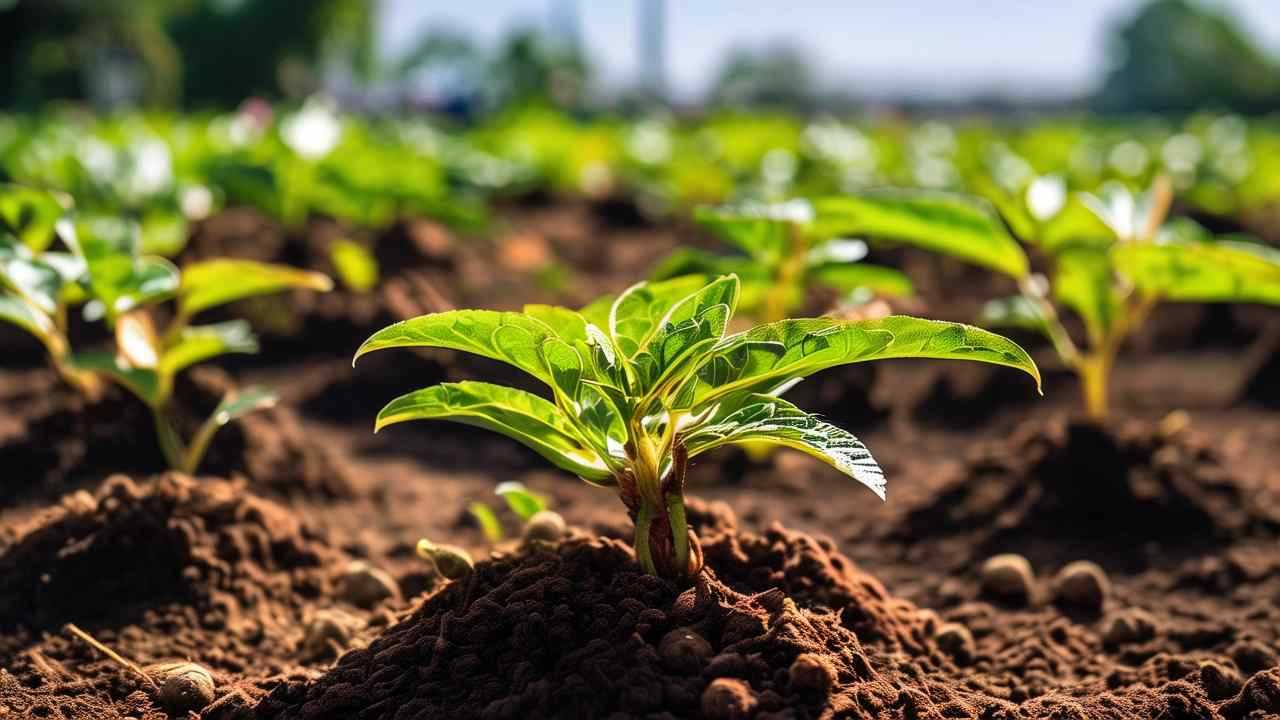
1183, 521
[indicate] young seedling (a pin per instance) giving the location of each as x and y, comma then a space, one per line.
1112, 259
103, 270
645, 381
527, 505
780, 258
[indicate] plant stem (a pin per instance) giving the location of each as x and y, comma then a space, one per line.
93, 642
200, 444
1094, 371
644, 521
170, 444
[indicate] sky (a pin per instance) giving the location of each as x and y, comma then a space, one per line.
937, 48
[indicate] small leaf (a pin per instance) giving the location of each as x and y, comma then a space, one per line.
1085, 282
753, 418
136, 340
1013, 312
636, 313
357, 268
203, 342
162, 233
143, 383
523, 502
211, 283
14, 310
965, 228
31, 214
761, 231
236, 405
522, 416
1202, 272
851, 277
487, 520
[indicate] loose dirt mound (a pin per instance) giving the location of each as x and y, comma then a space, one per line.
62, 440
168, 569
1074, 485
781, 627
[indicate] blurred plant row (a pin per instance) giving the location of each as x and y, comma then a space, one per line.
168, 170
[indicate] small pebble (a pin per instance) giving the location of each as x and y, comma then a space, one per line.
1008, 577
1220, 682
328, 632
546, 526
365, 586
811, 672
955, 640
684, 650
728, 699
1083, 585
1131, 625
451, 561
184, 687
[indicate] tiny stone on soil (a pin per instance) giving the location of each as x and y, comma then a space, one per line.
728, 699
1083, 585
1008, 577
811, 672
684, 650
365, 586
328, 633
184, 687
546, 526
955, 640
1131, 625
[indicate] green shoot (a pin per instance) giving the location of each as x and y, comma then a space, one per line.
103, 269
643, 382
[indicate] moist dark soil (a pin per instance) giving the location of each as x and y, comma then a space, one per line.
57, 439
1073, 486
888, 619
166, 569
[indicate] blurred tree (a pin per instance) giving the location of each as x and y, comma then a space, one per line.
1175, 56
160, 52
778, 77
531, 67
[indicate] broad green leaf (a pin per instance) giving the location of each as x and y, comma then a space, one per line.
507, 336
692, 261
216, 282
690, 328
18, 312
117, 276
768, 357
1084, 280
637, 312
34, 279
763, 232
522, 416
1202, 272
487, 520
1013, 312
851, 277
203, 342
966, 228
567, 324
143, 383
524, 502
1074, 226
31, 214
162, 233
357, 268
755, 418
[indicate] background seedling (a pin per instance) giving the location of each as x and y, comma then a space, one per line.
103, 270
781, 258
645, 381
522, 501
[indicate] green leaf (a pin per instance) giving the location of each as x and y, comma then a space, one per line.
769, 357
357, 268
690, 328
852, 277
162, 233
203, 342
965, 228
761, 231
18, 312
239, 404
519, 415
1013, 312
1084, 280
754, 419
1202, 272
507, 336
216, 282
523, 502
487, 520
31, 214
117, 276
637, 312
692, 261
143, 383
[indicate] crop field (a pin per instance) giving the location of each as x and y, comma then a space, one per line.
313, 415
